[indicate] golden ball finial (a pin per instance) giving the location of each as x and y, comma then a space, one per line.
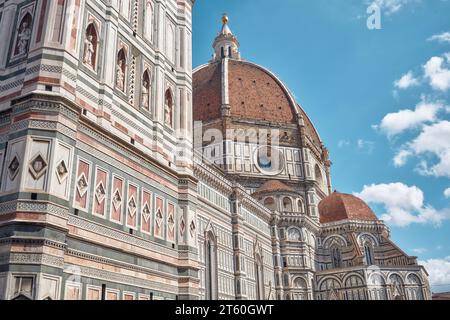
224, 19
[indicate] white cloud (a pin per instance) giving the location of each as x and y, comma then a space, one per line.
365, 145
401, 157
406, 81
438, 270
437, 72
434, 140
395, 123
404, 205
391, 6
447, 193
419, 250
443, 37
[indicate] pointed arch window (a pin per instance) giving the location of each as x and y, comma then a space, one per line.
121, 69
23, 35
90, 46
211, 266
336, 258
170, 41
368, 253
148, 21
168, 108
125, 8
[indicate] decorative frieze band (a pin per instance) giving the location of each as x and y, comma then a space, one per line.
43, 125
33, 259
33, 206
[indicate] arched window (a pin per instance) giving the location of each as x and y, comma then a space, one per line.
146, 90
125, 8
330, 289
336, 259
229, 52
90, 46
287, 204
170, 38
300, 206
414, 288
23, 35
355, 288
168, 108
300, 289
270, 203
259, 278
222, 52
318, 176
368, 253
121, 69
148, 21
396, 286
377, 287
211, 266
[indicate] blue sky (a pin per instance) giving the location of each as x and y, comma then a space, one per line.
379, 99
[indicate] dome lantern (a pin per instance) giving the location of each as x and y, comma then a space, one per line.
226, 44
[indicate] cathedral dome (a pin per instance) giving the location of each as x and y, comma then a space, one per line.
246, 90
340, 206
253, 92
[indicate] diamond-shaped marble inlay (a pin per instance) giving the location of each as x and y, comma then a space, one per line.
159, 217
146, 212
13, 168
117, 200
171, 223
61, 171
192, 228
100, 192
182, 226
82, 185
38, 166
132, 206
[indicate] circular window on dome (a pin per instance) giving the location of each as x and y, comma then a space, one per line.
269, 160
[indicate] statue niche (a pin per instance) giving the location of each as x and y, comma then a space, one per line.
23, 35
121, 70
90, 46
168, 108
145, 93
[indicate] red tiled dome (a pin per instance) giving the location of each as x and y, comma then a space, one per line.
340, 206
253, 92
207, 86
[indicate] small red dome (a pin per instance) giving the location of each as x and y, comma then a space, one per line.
340, 206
